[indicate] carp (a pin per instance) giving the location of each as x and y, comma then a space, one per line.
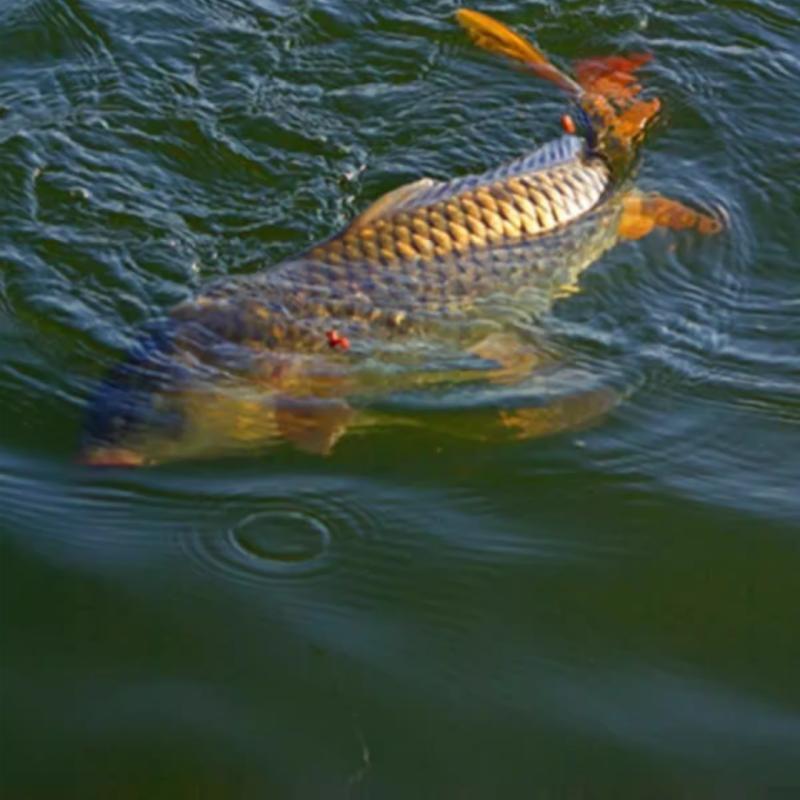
429, 286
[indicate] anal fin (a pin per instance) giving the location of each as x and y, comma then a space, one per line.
642, 213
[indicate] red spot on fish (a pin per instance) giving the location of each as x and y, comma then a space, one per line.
568, 124
334, 340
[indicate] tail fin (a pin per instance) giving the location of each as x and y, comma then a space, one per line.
611, 96
606, 88
495, 37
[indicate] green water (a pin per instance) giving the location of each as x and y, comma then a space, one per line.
612, 612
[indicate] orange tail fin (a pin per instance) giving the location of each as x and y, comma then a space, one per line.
611, 76
495, 37
606, 87
610, 95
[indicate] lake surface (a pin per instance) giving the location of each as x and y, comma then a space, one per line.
614, 610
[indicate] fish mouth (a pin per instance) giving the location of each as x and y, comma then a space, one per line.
110, 457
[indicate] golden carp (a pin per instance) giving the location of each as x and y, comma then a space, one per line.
426, 287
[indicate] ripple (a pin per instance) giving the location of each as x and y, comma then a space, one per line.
187, 163
298, 536
601, 590
287, 537
275, 543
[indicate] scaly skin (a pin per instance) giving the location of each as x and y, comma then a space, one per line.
431, 275
438, 257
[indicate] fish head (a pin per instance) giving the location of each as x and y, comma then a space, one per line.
138, 415
132, 416
134, 424
169, 405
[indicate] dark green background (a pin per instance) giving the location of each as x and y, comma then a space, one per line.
607, 613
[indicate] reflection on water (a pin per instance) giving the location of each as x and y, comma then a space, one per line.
429, 609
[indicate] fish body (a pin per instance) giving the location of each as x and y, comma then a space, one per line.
436, 282
441, 253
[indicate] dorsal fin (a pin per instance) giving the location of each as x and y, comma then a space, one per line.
550, 154
426, 190
558, 151
398, 198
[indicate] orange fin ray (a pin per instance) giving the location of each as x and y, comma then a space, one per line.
611, 97
606, 87
642, 213
516, 358
489, 34
612, 76
632, 122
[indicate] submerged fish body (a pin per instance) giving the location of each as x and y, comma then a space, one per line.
436, 257
426, 276
432, 283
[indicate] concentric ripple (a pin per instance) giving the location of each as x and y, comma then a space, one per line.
616, 606
281, 542
297, 536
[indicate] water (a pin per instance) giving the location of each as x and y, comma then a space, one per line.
420, 614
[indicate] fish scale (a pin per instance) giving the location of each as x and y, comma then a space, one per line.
431, 257
501, 212
434, 283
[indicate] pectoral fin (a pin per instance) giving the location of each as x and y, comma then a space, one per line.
313, 425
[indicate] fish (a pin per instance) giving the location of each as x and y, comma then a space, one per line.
432, 285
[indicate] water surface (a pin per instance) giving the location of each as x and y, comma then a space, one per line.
420, 614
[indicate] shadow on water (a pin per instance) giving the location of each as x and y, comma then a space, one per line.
422, 611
